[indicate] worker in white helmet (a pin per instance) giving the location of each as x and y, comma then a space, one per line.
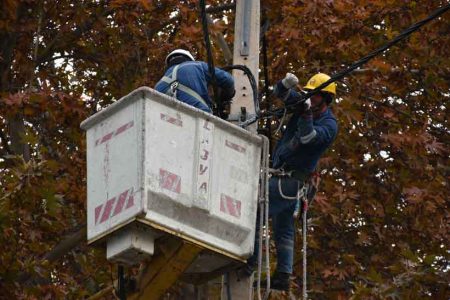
187, 80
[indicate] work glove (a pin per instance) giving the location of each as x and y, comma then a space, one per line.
226, 94
225, 97
306, 105
305, 108
289, 81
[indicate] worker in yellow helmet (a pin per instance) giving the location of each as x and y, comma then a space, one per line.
309, 133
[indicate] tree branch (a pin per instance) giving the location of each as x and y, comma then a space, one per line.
68, 243
17, 134
102, 293
386, 105
76, 34
220, 39
211, 10
5, 142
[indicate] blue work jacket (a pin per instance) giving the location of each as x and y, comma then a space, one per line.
195, 75
304, 140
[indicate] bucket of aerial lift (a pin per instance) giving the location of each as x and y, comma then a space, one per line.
158, 166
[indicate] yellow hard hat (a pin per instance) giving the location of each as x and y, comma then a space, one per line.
317, 80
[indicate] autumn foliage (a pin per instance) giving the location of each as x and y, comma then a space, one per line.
379, 225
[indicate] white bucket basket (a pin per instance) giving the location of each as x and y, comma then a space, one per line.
154, 160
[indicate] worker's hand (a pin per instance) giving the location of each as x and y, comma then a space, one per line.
289, 81
305, 107
225, 97
226, 94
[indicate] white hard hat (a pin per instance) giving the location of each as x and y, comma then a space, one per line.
180, 52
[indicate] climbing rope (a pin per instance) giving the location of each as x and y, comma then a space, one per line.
305, 245
264, 222
307, 197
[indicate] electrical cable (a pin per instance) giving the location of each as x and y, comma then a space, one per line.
252, 81
405, 33
208, 51
378, 51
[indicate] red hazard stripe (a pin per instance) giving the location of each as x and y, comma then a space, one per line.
114, 133
171, 120
108, 206
123, 128
107, 137
120, 203
234, 146
169, 181
230, 206
130, 202
98, 209
107, 210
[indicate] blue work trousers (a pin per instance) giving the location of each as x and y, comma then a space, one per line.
281, 211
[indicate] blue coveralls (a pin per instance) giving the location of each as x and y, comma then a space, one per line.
303, 142
195, 75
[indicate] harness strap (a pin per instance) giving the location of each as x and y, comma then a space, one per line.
175, 85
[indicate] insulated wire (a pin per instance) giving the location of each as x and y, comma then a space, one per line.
252, 81
362, 61
208, 50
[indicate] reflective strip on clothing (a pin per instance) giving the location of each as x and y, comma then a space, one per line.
307, 138
182, 87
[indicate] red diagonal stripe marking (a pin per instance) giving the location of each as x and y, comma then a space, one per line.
169, 181
234, 146
98, 209
130, 202
106, 137
171, 120
107, 212
124, 127
230, 206
120, 203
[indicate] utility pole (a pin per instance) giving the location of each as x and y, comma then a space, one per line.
245, 52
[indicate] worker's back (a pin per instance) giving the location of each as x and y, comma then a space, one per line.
193, 78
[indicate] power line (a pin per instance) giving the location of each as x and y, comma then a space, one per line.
211, 69
362, 61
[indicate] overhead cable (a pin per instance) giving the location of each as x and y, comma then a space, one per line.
359, 63
210, 60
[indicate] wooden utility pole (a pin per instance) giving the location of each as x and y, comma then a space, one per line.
245, 52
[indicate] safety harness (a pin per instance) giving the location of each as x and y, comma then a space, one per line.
175, 85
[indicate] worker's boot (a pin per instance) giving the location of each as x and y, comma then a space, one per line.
280, 281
